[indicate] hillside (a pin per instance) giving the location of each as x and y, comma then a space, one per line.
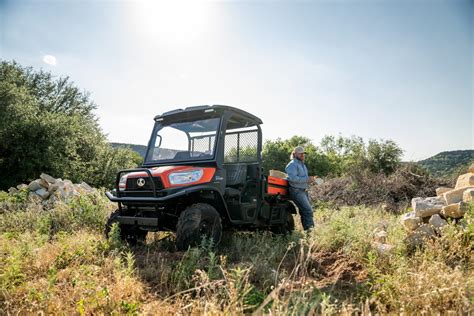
446, 163
140, 149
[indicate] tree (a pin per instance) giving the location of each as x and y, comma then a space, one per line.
352, 155
276, 155
48, 125
383, 156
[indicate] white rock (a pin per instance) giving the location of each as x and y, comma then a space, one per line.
410, 221
34, 185
34, 198
468, 195
455, 210
86, 187
59, 194
426, 207
455, 196
382, 248
21, 186
48, 178
380, 237
53, 187
437, 223
43, 183
420, 235
43, 193
426, 230
465, 180
441, 190
12, 190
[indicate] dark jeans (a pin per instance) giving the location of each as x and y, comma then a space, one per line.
301, 199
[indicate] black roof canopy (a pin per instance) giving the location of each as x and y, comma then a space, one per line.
239, 118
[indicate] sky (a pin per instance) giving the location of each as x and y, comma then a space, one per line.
399, 70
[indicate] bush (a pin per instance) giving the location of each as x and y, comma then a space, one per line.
47, 125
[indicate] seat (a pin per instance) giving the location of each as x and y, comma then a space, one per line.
182, 155
236, 174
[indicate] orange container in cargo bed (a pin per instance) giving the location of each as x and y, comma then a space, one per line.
277, 186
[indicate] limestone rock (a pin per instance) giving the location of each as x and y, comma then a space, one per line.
380, 237
43, 183
455, 196
468, 195
86, 187
426, 230
34, 198
410, 221
12, 190
426, 207
53, 187
437, 223
22, 186
465, 180
418, 237
455, 210
471, 168
34, 185
441, 190
48, 178
43, 193
382, 248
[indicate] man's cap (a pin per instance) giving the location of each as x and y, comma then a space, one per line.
299, 150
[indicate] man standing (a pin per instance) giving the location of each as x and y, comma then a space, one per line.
298, 179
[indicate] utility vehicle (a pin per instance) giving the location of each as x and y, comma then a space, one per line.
202, 173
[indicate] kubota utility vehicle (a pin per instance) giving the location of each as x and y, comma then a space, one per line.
202, 173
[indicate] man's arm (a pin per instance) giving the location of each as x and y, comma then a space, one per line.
293, 174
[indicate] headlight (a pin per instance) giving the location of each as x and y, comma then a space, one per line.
123, 183
185, 177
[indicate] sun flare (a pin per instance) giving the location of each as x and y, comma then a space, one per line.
172, 21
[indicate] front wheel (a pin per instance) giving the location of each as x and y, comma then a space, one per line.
127, 233
196, 222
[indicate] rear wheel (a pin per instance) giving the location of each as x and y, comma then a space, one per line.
129, 234
287, 227
196, 222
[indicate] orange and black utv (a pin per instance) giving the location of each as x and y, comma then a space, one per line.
202, 173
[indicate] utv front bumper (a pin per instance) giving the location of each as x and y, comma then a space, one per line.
170, 196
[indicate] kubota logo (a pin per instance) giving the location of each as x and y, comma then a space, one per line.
141, 182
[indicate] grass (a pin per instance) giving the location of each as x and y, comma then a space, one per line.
56, 260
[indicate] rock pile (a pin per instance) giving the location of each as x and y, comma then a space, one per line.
429, 215
47, 189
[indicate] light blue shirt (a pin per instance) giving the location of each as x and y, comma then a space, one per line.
297, 174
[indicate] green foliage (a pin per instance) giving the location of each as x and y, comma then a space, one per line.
276, 155
335, 156
353, 155
449, 163
81, 212
47, 125
243, 154
336, 268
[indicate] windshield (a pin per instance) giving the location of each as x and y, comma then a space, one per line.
194, 140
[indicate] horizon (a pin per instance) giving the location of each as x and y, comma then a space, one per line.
379, 70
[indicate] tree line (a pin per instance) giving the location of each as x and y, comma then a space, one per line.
335, 156
47, 124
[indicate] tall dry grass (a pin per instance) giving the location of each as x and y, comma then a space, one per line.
58, 262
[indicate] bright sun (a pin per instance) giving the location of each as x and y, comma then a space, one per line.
172, 21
